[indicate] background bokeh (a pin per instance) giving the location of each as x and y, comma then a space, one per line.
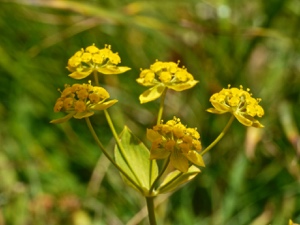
54, 174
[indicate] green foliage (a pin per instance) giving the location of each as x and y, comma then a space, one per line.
177, 178
134, 160
46, 171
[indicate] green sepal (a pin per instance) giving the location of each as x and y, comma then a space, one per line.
63, 119
135, 161
183, 86
215, 111
78, 75
152, 93
110, 70
104, 105
248, 120
81, 115
176, 178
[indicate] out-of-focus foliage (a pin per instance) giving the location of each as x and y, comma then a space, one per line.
54, 174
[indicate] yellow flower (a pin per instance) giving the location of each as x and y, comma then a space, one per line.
238, 102
104, 61
175, 140
162, 75
81, 100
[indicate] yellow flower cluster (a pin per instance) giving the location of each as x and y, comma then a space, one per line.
167, 73
176, 141
162, 75
81, 100
238, 102
104, 61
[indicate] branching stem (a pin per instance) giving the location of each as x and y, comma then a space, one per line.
219, 137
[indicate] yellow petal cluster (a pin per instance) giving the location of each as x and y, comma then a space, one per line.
81, 100
91, 59
176, 141
240, 103
163, 75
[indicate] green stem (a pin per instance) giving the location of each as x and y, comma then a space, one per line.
220, 136
118, 142
96, 78
151, 213
90, 126
161, 106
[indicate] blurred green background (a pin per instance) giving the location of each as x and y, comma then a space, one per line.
54, 174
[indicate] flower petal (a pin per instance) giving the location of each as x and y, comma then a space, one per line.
152, 93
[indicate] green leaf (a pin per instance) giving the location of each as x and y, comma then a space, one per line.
176, 178
135, 160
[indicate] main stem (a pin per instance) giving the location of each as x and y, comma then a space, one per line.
150, 207
220, 136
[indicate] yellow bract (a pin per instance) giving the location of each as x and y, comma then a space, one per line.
238, 102
174, 139
104, 61
162, 75
81, 100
